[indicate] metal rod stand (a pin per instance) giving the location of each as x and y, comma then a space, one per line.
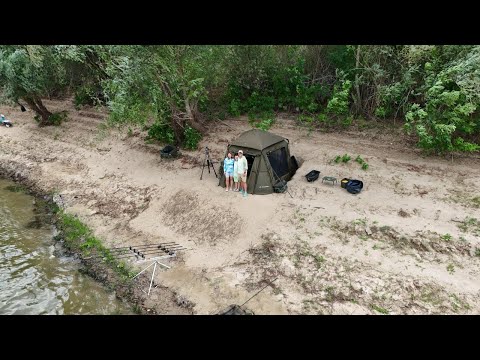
154, 263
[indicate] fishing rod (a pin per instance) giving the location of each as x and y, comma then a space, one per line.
126, 251
142, 253
269, 284
165, 248
154, 255
141, 246
170, 251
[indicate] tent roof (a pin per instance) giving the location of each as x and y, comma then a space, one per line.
257, 139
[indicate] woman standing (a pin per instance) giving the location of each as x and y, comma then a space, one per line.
228, 164
235, 175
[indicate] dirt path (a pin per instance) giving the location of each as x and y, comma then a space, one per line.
407, 244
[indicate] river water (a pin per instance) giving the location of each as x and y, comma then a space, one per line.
35, 278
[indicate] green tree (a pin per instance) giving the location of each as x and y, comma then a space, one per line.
31, 72
449, 115
166, 84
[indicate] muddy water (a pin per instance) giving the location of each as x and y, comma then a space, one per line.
35, 278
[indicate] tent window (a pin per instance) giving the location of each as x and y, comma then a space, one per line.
278, 161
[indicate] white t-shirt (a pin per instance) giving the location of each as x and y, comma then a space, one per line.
242, 165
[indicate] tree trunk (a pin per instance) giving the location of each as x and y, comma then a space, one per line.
179, 132
192, 117
357, 99
36, 104
42, 107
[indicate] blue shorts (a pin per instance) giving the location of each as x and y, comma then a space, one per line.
229, 174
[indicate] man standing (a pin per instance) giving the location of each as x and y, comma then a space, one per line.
242, 168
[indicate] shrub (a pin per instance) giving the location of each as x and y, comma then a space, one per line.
339, 103
450, 113
161, 132
192, 138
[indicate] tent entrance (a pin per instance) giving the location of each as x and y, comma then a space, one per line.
250, 160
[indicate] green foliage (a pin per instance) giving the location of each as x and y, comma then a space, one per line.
74, 228
293, 91
362, 162
446, 237
322, 118
79, 237
87, 95
346, 158
380, 112
341, 57
476, 201
347, 122
275, 75
159, 83
470, 224
161, 132
263, 121
55, 119
451, 268
307, 120
380, 309
435, 88
449, 114
339, 103
319, 260
16, 188
30, 72
235, 107
82, 97
192, 138
257, 103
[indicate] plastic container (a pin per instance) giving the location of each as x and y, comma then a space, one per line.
343, 182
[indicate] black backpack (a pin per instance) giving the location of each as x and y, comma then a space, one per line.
312, 175
169, 151
354, 186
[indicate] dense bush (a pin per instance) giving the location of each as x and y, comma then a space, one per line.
434, 89
449, 115
339, 103
161, 132
192, 138
88, 95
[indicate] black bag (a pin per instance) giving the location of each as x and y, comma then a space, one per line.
168, 152
280, 186
312, 175
354, 186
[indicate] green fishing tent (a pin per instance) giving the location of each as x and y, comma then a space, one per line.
268, 157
